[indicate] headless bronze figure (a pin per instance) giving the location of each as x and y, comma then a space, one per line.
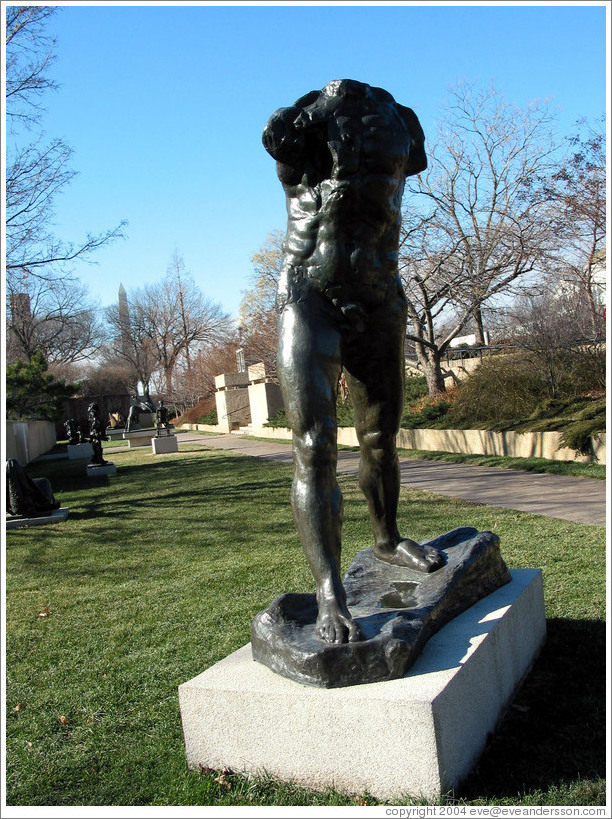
342, 155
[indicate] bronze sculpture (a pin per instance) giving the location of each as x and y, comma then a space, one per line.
343, 154
161, 419
73, 431
25, 496
97, 434
138, 405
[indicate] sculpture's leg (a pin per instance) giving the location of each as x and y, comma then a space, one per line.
309, 369
375, 376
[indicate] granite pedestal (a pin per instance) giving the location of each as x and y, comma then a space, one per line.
95, 471
162, 444
419, 735
139, 438
54, 516
80, 451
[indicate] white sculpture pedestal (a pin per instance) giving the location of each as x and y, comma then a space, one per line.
418, 736
80, 451
55, 516
95, 471
139, 438
163, 444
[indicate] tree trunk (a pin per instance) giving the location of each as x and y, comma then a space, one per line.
429, 361
479, 328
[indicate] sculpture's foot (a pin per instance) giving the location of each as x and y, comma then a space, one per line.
335, 625
411, 554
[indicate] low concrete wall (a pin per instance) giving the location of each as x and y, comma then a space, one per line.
468, 441
26, 440
511, 444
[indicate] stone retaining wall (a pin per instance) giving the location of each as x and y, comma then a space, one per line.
468, 441
26, 440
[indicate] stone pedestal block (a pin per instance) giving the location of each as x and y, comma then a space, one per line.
227, 380
265, 401
139, 437
233, 407
55, 516
419, 735
80, 451
95, 471
163, 444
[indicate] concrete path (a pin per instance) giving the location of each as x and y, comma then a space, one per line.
581, 500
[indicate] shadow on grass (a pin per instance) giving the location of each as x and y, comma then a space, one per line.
166, 476
554, 732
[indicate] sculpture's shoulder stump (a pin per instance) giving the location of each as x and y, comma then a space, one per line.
54, 516
398, 610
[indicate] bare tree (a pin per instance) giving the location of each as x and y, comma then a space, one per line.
579, 218
28, 55
474, 225
550, 330
168, 323
129, 346
259, 336
54, 317
431, 272
177, 316
197, 383
36, 170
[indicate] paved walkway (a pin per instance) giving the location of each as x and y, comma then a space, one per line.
581, 500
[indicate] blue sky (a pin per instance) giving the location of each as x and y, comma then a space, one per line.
164, 106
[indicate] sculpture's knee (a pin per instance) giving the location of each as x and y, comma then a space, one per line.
315, 450
378, 447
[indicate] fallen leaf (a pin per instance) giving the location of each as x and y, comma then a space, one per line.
19, 707
63, 720
46, 612
222, 778
30, 745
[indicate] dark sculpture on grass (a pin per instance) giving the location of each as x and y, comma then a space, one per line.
162, 421
97, 434
27, 497
138, 405
342, 155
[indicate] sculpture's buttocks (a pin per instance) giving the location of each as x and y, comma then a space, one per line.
343, 155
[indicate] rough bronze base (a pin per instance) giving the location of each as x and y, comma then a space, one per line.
397, 608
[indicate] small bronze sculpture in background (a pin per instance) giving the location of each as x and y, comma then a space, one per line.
73, 431
137, 406
342, 155
97, 434
115, 420
161, 419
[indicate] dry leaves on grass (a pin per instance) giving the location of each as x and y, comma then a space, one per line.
221, 778
46, 612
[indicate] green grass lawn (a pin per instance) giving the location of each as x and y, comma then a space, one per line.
157, 574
